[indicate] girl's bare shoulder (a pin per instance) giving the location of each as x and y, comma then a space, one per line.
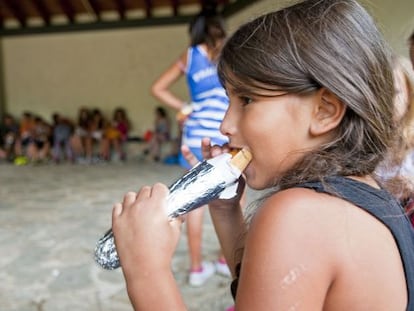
312, 245
287, 253
303, 207
325, 218
301, 215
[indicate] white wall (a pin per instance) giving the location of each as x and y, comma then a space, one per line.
47, 73
106, 69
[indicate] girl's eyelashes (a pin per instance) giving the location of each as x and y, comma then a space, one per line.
245, 100
240, 96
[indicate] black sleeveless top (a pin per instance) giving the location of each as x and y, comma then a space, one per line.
381, 205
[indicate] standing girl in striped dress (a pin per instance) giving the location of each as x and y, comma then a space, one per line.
201, 118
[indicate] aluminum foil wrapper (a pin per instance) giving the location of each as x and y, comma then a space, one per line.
205, 182
105, 252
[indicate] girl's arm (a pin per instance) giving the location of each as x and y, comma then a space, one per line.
146, 241
154, 290
229, 224
161, 87
226, 215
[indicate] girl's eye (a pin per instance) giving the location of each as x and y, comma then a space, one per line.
245, 100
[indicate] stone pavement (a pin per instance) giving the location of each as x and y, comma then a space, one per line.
50, 219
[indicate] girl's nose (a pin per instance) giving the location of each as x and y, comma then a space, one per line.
228, 125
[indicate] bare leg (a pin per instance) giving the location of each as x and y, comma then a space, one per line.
18, 150
44, 151
88, 147
76, 145
32, 152
2, 154
117, 147
154, 147
105, 148
68, 150
194, 235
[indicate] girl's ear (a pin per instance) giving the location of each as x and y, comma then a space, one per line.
327, 114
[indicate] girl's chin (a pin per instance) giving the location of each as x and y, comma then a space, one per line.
256, 186
253, 183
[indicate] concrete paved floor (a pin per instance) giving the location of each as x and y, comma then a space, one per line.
50, 219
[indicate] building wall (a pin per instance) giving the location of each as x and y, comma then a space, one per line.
106, 69
48, 73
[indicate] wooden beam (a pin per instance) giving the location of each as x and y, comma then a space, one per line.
44, 12
148, 8
68, 10
239, 5
17, 11
226, 11
3, 108
106, 25
175, 4
209, 6
121, 8
1, 19
96, 8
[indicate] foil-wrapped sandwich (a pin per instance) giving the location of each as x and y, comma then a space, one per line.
208, 180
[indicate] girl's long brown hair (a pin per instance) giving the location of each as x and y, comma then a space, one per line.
332, 44
321, 43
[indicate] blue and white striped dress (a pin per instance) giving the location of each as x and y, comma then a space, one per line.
208, 99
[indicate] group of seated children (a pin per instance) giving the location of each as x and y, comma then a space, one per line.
92, 138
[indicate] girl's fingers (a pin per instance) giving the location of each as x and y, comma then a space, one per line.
117, 210
225, 148
159, 194
216, 150
129, 199
206, 148
159, 190
188, 155
143, 193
